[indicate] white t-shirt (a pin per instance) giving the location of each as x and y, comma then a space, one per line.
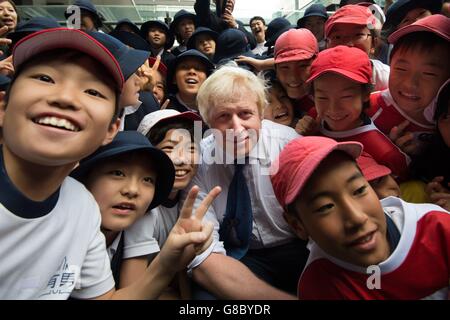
260, 48
380, 74
51, 249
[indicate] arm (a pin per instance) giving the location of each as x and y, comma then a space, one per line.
131, 270
259, 65
188, 237
228, 278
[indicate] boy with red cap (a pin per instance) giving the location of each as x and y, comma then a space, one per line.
295, 50
420, 66
355, 26
351, 233
341, 82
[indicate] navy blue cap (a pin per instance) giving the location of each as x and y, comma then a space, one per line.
87, 5
127, 22
126, 142
400, 8
314, 10
27, 27
129, 59
180, 15
275, 28
131, 39
200, 30
230, 44
192, 53
170, 39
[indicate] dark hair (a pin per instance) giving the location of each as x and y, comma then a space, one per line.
422, 40
158, 132
66, 55
257, 18
442, 102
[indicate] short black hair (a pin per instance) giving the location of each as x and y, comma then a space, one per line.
158, 132
421, 40
257, 18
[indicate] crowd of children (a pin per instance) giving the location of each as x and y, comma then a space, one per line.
274, 162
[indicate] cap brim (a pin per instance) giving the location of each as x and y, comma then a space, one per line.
375, 172
350, 75
310, 163
294, 55
393, 38
64, 38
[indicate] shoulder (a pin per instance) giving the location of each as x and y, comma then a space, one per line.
279, 132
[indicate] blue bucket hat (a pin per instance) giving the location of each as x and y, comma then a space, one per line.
126, 142
131, 39
129, 59
275, 28
127, 22
170, 39
200, 30
180, 15
230, 44
27, 27
88, 6
400, 8
192, 53
315, 10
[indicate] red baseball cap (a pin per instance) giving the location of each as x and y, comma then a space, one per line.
351, 14
370, 168
65, 38
436, 23
298, 161
295, 45
350, 62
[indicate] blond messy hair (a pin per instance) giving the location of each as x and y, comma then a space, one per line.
230, 84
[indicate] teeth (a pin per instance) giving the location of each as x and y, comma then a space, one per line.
191, 81
412, 96
180, 173
57, 122
365, 239
284, 114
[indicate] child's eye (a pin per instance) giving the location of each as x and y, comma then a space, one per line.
346, 97
117, 173
149, 180
430, 74
94, 93
325, 208
400, 69
44, 78
360, 191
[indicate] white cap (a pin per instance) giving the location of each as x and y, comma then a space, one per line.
151, 119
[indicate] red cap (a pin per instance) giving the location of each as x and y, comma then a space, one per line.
436, 23
351, 14
298, 161
350, 62
370, 168
65, 38
295, 45
161, 68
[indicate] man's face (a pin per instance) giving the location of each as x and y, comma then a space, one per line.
258, 29
184, 153
239, 122
340, 211
60, 119
293, 75
416, 76
123, 188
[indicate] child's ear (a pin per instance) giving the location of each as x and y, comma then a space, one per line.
296, 225
112, 131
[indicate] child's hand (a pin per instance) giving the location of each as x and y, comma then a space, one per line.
6, 66
404, 139
189, 236
147, 74
439, 194
308, 126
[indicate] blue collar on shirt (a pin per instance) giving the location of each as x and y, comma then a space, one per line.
392, 233
18, 203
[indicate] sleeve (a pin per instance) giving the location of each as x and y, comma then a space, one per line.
95, 275
205, 17
216, 245
139, 237
380, 75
